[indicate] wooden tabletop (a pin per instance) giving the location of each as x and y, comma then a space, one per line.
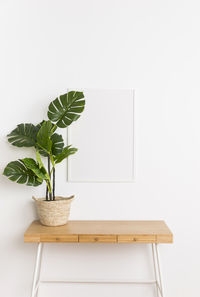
101, 231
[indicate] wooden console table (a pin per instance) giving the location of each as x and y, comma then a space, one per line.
148, 232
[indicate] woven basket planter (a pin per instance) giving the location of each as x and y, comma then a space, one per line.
53, 213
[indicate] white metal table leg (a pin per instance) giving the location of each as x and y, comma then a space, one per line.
39, 270
157, 270
36, 277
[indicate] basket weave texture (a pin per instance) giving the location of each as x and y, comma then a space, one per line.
53, 213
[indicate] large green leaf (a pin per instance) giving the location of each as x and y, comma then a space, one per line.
67, 151
38, 148
39, 160
23, 135
66, 109
17, 171
35, 167
38, 126
57, 144
44, 136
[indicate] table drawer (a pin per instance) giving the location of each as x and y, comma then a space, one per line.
98, 238
136, 238
58, 238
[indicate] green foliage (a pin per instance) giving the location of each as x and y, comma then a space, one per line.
18, 172
57, 144
66, 109
23, 135
44, 136
39, 170
38, 126
62, 111
49, 143
39, 160
67, 151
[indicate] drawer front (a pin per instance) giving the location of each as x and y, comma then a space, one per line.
136, 238
59, 238
98, 238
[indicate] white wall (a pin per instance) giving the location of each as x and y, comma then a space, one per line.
151, 46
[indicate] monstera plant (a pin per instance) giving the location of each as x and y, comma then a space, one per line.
47, 143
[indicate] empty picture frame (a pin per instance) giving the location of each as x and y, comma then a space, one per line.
104, 136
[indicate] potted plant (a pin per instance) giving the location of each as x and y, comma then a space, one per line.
62, 112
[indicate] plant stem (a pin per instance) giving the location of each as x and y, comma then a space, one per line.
47, 193
49, 171
54, 198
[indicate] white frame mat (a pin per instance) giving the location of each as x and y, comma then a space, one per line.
104, 136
